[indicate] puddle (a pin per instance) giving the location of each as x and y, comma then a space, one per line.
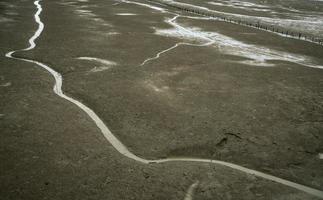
126, 14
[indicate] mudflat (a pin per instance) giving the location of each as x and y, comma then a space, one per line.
168, 85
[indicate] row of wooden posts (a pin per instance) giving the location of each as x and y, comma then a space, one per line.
246, 23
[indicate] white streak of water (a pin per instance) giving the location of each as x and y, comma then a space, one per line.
7, 84
99, 60
255, 55
190, 191
115, 142
186, 31
126, 14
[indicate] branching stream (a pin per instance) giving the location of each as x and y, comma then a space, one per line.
115, 142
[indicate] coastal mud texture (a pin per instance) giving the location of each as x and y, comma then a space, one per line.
167, 86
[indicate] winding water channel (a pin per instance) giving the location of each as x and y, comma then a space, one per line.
114, 141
